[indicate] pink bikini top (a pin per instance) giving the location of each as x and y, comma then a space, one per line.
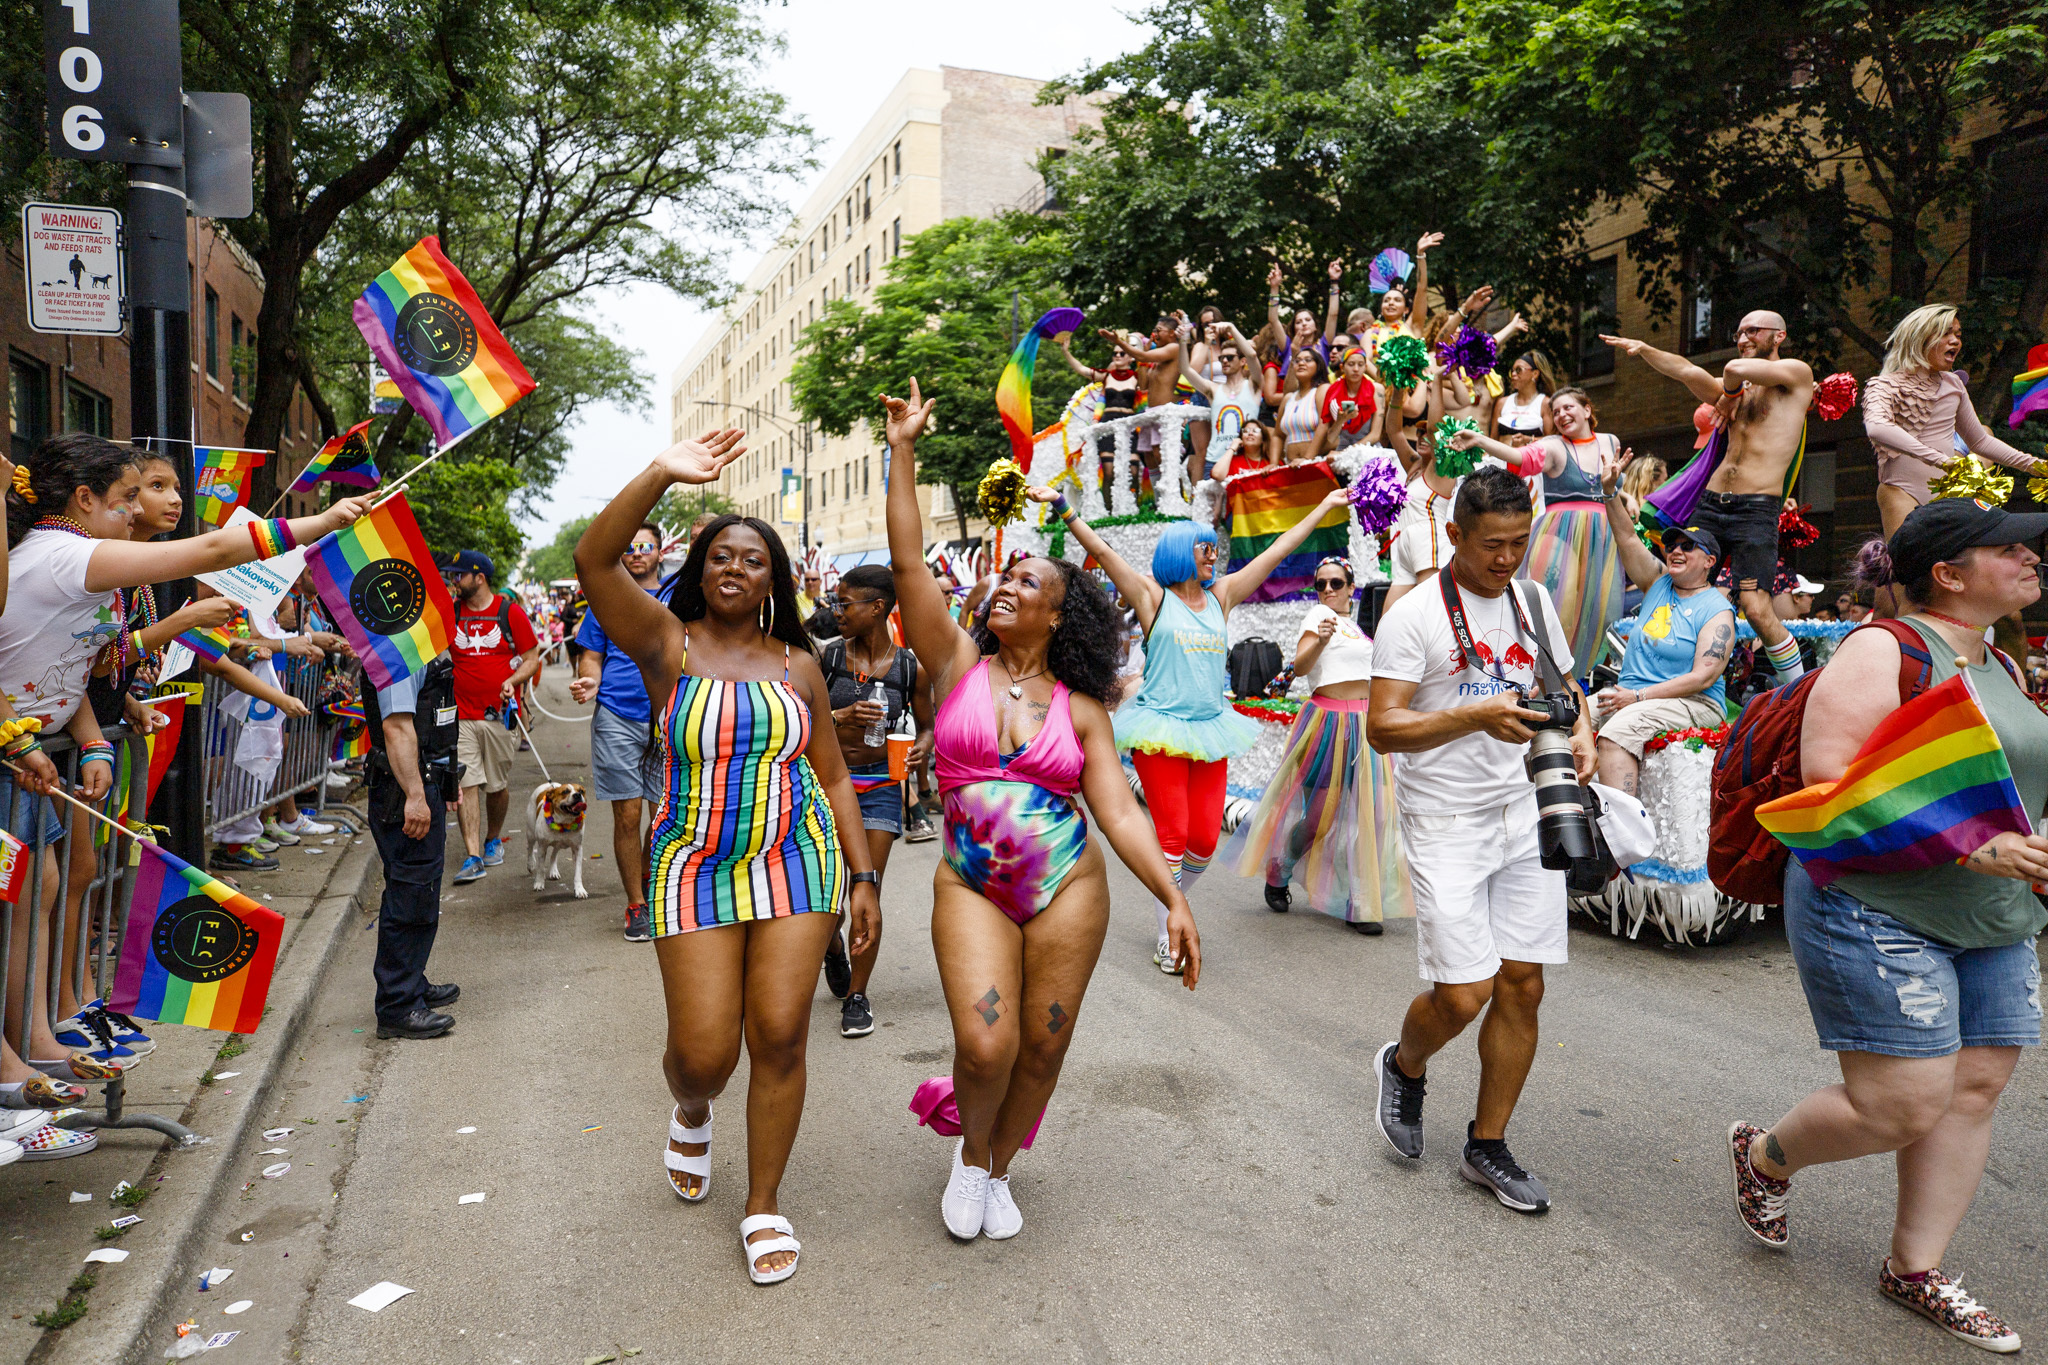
965, 748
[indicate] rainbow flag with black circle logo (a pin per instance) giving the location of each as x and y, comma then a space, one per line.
196, 951
1267, 503
379, 582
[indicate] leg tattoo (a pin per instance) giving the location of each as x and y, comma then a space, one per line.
1057, 1018
1772, 1150
989, 1007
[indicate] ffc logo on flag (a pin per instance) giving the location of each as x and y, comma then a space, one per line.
345, 459
197, 951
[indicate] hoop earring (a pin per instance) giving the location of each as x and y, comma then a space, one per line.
768, 616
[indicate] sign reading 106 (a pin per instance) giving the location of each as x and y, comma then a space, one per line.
114, 80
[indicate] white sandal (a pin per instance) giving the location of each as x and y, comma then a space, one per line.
756, 1250
699, 1165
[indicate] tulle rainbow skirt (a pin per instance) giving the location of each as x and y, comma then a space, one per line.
1326, 825
1573, 555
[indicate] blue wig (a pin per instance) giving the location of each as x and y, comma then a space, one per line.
1174, 559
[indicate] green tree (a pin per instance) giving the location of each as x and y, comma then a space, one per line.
942, 314
557, 558
464, 507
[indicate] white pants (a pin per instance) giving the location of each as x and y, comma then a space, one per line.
1481, 892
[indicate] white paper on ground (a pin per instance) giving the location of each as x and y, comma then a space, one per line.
111, 1255
275, 1151
215, 1276
276, 1134
239, 1306
476, 1198
465, 1130
377, 1297
78, 1198
274, 1171
220, 1339
225, 1075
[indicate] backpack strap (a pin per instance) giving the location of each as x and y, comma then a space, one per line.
1916, 665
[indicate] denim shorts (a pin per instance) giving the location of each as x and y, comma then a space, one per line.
881, 808
15, 816
1874, 985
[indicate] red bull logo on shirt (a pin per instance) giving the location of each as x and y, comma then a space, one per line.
1511, 666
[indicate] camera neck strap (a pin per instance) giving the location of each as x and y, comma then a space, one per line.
1547, 672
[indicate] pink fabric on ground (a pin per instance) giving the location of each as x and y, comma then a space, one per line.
935, 1109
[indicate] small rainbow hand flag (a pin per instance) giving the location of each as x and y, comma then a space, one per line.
208, 642
1267, 503
1929, 786
197, 951
2030, 387
220, 480
378, 581
429, 330
1013, 389
345, 459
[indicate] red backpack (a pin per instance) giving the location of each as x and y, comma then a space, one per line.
1759, 762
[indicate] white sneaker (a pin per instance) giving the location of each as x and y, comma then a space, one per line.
1162, 957
1000, 1220
966, 1199
278, 835
306, 824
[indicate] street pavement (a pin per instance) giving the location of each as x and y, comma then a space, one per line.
1208, 1183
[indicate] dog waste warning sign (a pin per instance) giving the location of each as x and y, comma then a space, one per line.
74, 268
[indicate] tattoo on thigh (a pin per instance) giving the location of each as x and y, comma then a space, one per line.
1056, 1017
1773, 1150
989, 1007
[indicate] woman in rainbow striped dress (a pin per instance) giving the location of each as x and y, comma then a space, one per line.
756, 829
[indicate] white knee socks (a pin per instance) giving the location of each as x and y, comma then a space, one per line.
1785, 660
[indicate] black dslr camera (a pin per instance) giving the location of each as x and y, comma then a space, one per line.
1567, 840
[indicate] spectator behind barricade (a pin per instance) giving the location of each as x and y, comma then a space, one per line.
284, 824
625, 765
496, 654
242, 844
1671, 676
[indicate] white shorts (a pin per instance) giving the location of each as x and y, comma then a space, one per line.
1482, 893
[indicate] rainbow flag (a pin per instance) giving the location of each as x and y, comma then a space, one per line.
208, 642
1929, 786
1013, 389
1268, 502
163, 744
2030, 387
378, 581
196, 950
220, 480
351, 741
345, 459
428, 329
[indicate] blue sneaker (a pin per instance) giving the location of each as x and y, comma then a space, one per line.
472, 871
494, 852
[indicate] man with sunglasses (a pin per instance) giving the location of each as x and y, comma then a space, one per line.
1761, 398
624, 769
496, 654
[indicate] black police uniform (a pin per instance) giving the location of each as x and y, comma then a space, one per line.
411, 910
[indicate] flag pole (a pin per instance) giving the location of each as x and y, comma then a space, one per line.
62, 795
385, 495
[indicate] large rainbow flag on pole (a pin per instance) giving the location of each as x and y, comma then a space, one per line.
1268, 502
1013, 389
196, 951
2030, 387
220, 480
1929, 786
429, 330
345, 459
378, 581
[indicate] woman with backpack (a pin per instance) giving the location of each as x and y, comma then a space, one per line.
1925, 983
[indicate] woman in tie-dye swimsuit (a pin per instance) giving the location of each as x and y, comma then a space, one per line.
1021, 902
754, 837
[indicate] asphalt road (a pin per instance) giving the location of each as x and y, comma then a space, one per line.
1208, 1183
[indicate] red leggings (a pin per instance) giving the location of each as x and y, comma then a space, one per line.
1185, 796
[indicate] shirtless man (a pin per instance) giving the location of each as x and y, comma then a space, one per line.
1762, 398
1164, 361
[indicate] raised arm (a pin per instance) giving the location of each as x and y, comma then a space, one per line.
1506, 334
1542, 456
1273, 298
1076, 366
1336, 295
944, 650
1138, 589
642, 626
130, 563
1982, 442
1243, 583
1129, 831
1781, 374
1636, 560
1202, 385
1703, 386
1418, 302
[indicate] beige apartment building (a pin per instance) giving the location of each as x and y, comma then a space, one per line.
945, 143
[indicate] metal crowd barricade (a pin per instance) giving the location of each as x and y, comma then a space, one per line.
102, 910
232, 793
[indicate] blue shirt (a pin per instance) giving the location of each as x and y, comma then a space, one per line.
620, 689
1667, 636
402, 697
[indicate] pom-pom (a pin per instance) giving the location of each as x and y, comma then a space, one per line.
2037, 489
1473, 351
1873, 566
1794, 529
1402, 360
1451, 462
1002, 493
1379, 494
1834, 396
1967, 477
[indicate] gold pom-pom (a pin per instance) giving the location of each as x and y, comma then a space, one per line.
1002, 493
1967, 477
2038, 488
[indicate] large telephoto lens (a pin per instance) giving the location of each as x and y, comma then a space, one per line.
1562, 830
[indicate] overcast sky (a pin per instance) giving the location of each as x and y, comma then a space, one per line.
841, 61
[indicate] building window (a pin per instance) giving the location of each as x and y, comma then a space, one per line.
85, 410
896, 238
1723, 291
849, 277
2005, 232
867, 197
899, 160
867, 263
1597, 314
28, 405
212, 338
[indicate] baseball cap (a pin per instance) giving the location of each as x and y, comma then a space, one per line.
1801, 583
1703, 424
473, 561
1944, 528
1693, 535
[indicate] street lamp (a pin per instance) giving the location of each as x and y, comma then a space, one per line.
757, 415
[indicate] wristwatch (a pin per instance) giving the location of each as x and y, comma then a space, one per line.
871, 878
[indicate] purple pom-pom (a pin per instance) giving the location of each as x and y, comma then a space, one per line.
1873, 565
1379, 494
1472, 350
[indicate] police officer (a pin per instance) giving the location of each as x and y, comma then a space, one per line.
413, 777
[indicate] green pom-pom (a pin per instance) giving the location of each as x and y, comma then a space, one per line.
1403, 361
1451, 462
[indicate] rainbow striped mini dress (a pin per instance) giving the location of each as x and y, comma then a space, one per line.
743, 831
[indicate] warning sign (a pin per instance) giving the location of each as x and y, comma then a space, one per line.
74, 268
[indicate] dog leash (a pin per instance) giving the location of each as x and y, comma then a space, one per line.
535, 748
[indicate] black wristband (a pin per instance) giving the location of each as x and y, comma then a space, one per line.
871, 878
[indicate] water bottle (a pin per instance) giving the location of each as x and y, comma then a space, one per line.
878, 728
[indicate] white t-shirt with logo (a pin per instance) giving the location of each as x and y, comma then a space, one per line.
1347, 654
1416, 644
53, 628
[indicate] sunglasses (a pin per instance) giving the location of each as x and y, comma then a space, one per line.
642, 547
843, 603
1330, 584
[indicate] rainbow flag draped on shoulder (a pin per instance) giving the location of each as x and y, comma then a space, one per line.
430, 332
1929, 786
378, 580
1268, 502
197, 951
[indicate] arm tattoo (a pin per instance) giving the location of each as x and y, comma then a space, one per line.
989, 1007
1056, 1018
1772, 1150
1717, 643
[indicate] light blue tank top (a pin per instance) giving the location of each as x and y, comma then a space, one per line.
1185, 658
1574, 484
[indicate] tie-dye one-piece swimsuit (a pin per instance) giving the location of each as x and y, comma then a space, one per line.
1013, 832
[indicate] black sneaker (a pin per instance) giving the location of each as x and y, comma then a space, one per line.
240, 858
638, 927
447, 993
421, 1023
1400, 1103
856, 1017
1279, 899
838, 969
1371, 928
1488, 1162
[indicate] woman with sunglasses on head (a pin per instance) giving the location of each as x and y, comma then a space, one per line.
1021, 897
1350, 411
1233, 399
1327, 817
754, 834
1300, 414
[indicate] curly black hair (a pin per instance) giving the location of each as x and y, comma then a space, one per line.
58, 467
686, 602
1088, 646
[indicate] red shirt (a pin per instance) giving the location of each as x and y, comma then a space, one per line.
483, 656
1335, 394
